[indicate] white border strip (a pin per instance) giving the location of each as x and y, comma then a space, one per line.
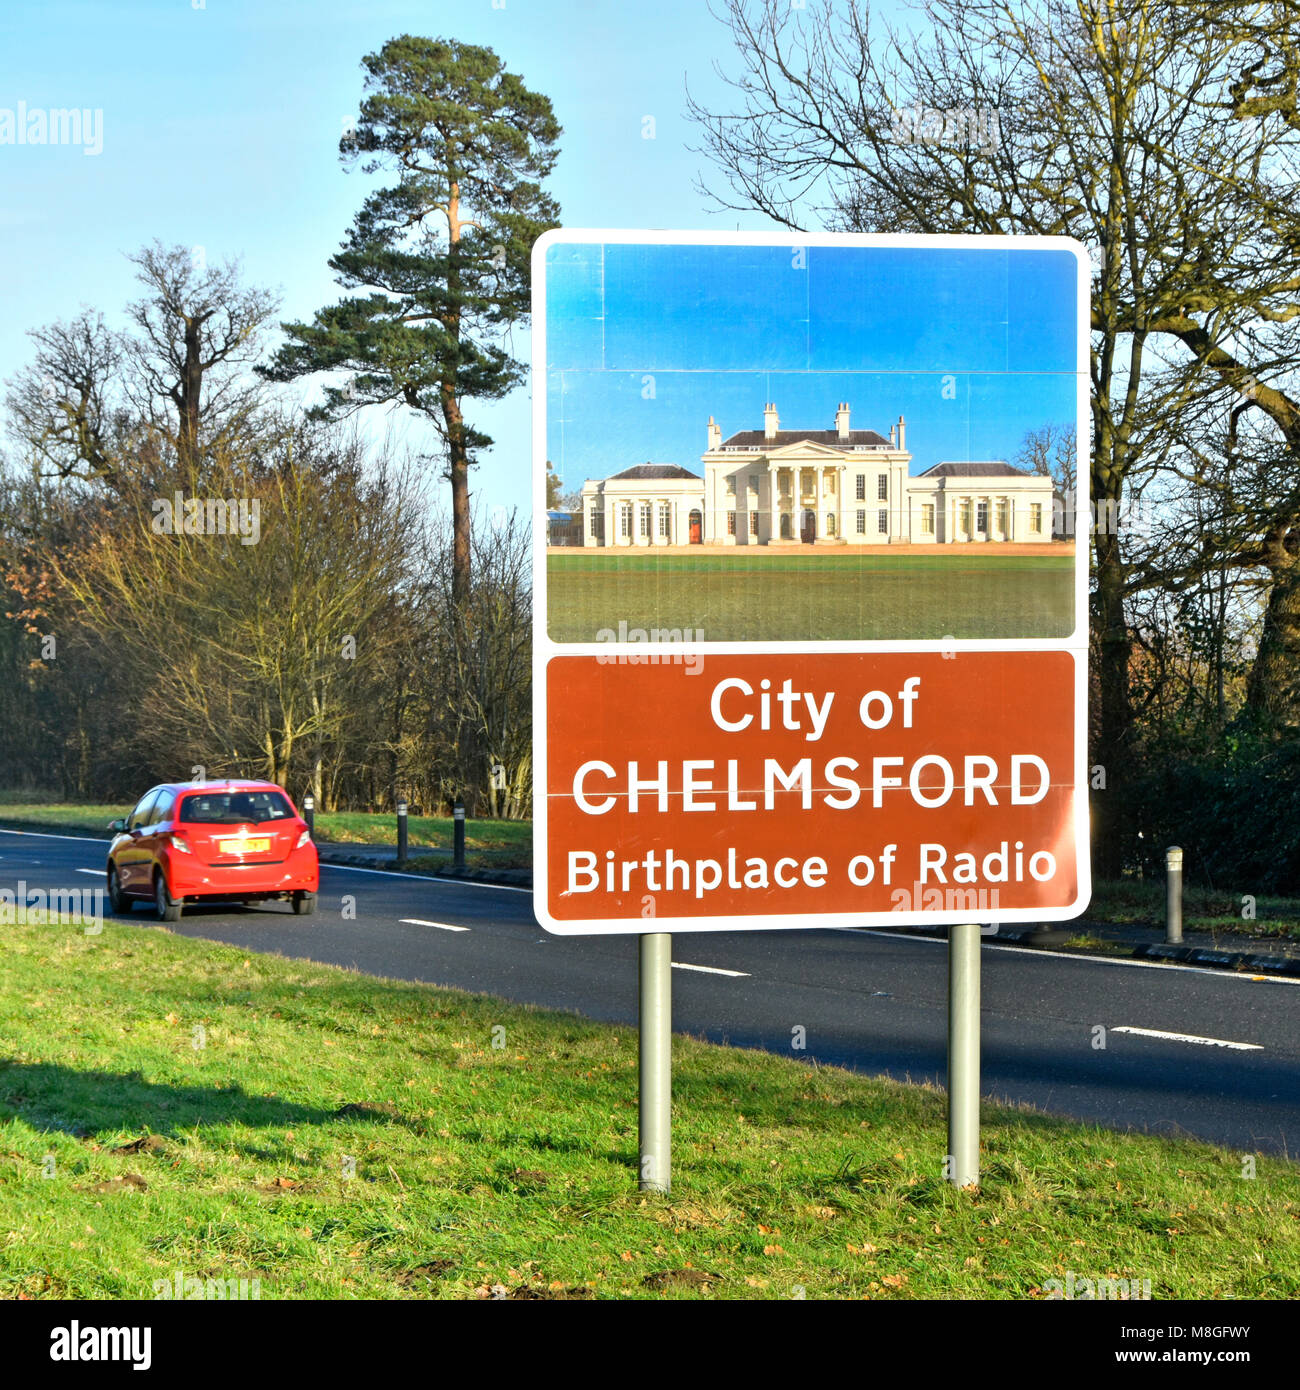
544, 648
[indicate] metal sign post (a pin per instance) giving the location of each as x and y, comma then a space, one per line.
656, 1061
962, 1167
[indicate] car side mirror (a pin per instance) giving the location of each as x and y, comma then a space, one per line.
119, 824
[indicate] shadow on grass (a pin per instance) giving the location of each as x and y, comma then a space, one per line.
66, 1100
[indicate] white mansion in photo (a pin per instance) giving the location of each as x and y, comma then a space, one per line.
838, 486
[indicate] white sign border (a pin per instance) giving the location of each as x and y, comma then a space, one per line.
544, 648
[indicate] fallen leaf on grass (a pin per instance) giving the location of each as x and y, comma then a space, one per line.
126, 1183
679, 1278
279, 1185
146, 1143
530, 1292
368, 1110
435, 1269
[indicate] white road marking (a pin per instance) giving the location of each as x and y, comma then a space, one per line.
424, 878
1212, 971
1190, 1038
420, 922
46, 835
711, 970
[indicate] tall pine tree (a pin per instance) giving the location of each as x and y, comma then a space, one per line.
436, 264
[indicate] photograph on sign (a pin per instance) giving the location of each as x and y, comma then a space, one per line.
811, 650
781, 443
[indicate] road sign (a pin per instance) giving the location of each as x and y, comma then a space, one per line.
798, 663
811, 647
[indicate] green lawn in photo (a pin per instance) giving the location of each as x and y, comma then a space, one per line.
799, 595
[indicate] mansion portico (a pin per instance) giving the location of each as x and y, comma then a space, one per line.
835, 486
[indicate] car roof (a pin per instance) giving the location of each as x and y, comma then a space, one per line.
233, 784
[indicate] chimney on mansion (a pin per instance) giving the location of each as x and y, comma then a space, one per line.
770, 423
715, 435
842, 422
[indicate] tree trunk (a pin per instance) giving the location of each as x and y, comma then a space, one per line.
458, 471
1273, 690
1112, 750
191, 392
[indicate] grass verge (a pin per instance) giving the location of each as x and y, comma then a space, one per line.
171, 1105
1141, 902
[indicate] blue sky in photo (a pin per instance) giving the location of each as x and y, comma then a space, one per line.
645, 342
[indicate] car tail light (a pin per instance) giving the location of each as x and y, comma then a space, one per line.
179, 842
303, 839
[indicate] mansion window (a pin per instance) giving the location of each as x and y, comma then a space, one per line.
665, 519
1036, 517
862, 521
731, 523
731, 487
1004, 519
598, 523
882, 488
625, 519
644, 510
927, 518
830, 523
882, 522
982, 516
753, 525
861, 493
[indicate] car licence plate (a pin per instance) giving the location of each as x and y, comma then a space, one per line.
242, 846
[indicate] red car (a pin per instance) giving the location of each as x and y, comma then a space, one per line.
190, 841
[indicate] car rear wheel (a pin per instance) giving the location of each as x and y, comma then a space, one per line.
117, 899
304, 904
164, 907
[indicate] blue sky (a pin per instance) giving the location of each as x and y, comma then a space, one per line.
221, 128
645, 342
221, 121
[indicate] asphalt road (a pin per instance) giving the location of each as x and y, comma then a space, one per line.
870, 1001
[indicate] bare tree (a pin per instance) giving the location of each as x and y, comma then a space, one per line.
63, 407
199, 330
1088, 118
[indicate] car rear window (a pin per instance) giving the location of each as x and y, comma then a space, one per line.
234, 808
